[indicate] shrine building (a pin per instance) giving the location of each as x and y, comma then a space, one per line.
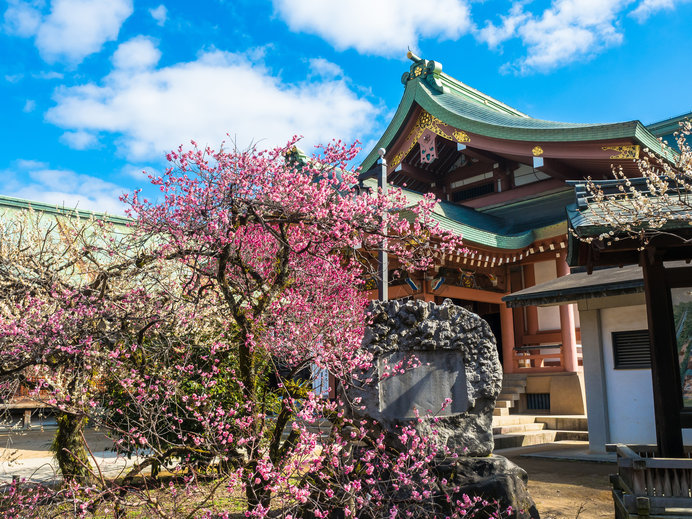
500, 176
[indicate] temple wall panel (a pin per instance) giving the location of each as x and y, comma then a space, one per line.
629, 392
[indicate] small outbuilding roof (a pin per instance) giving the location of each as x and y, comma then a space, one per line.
580, 285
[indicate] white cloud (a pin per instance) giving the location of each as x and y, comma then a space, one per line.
30, 164
49, 74
324, 68
494, 35
22, 18
567, 31
646, 8
33, 180
140, 172
79, 140
137, 53
29, 106
382, 27
14, 78
160, 14
72, 30
153, 111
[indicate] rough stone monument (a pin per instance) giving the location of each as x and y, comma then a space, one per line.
425, 354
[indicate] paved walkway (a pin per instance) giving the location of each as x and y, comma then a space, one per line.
26, 455
44, 469
567, 450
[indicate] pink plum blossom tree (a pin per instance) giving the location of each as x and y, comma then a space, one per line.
197, 339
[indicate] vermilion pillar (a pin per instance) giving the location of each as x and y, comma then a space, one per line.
507, 325
531, 311
569, 335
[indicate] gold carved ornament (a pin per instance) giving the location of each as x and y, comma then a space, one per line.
537, 151
627, 151
427, 121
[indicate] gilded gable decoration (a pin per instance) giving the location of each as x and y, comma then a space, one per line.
627, 151
425, 122
537, 151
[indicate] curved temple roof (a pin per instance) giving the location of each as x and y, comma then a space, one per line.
463, 107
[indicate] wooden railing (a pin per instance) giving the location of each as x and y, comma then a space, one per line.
543, 358
647, 486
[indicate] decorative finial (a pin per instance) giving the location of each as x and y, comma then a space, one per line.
410, 55
381, 152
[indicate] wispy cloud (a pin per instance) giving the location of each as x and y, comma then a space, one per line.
567, 31
646, 8
71, 30
33, 180
79, 140
160, 14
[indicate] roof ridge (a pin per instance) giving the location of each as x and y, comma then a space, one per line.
21, 203
431, 73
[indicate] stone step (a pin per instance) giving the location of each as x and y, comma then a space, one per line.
513, 419
500, 411
508, 441
572, 435
513, 388
518, 428
564, 422
508, 396
504, 403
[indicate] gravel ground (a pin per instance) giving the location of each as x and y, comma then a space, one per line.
561, 489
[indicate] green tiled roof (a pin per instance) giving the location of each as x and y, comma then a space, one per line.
465, 108
666, 129
9, 203
485, 229
668, 126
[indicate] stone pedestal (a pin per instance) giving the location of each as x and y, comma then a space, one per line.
494, 478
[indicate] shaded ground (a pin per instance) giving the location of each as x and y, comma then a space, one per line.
561, 489
569, 489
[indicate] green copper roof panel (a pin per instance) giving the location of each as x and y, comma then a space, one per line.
537, 211
485, 229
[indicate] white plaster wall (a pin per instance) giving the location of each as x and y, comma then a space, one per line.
629, 391
548, 317
577, 321
525, 174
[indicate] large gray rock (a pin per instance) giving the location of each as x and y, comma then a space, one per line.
458, 360
493, 478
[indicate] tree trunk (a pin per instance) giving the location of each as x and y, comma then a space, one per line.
70, 449
255, 493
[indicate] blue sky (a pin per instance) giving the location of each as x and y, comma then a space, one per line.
92, 92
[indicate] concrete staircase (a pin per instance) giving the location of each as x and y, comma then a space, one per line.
513, 385
519, 430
